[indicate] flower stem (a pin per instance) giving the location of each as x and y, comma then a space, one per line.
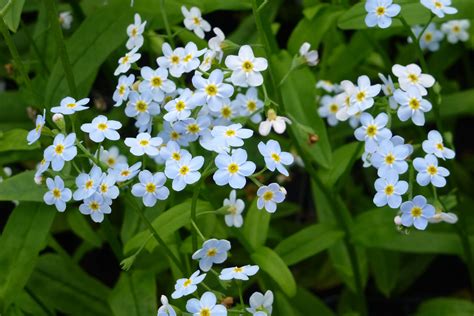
241, 297
165, 21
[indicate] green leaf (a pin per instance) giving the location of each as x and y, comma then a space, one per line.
167, 223
300, 105
375, 229
13, 14
304, 298
308, 242
342, 162
270, 262
14, 119
256, 225
15, 139
134, 294
22, 238
385, 269
459, 103
81, 227
99, 35
22, 187
446, 306
60, 283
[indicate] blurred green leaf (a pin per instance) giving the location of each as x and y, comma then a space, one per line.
342, 162
305, 298
446, 306
270, 262
15, 139
80, 226
385, 268
13, 15
22, 238
456, 104
308, 242
134, 294
255, 228
22, 187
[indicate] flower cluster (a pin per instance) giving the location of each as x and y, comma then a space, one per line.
430, 37
386, 152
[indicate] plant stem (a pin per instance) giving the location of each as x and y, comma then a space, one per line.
58, 34
160, 241
241, 297
165, 21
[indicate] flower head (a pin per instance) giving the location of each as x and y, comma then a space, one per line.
135, 33
434, 145
235, 207
212, 90
101, 128
372, 131
206, 306
184, 171
412, 105
389, 190
142, 107
430, 39
260, 302
57, 194
123, 89
456, 30
35, 133
232, 169
144, 144
274, 157
439, 7
165, 308
380, 13
430, 172
238, 273
69, 106
310, 57
126, 61
151, 187
96, 206
65, 19
411, 76
87, 184
416, 212
232, 135
193, 21
187, 286
389, 156
269, 196
246, 68
213, 251
157, 82
61, 150
278, 123
328, 109
123, 172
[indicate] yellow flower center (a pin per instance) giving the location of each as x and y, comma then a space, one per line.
121, 90
232, 210
380, 11
110, 161
94, 206
59, 149
156, 82
56, 193
102, 126
180, 105
251, 106
176, 156
150, 187
230, 133
184, 170
247, 66
268, 195
212, 252
413, 78
144, 142
440, 146
226, 111
175, 59
456, 29
125, 173
333, 108
211, 90
416, 211
428, 37
125, 59
432, 170
360, 96
271, 115
389, 159
196, 20
193, 128
233, 168
414, 104
187, 283
104, 188
187, 58
389, 189
38, 127
238, 269
134, 32
89, 184
174, 135
276, 157
438, 5
141, 106
371, 130
71, 105
205, 312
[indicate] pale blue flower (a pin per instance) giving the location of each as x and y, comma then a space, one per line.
87, 184
434, 145
412, 105
107, 187
380, 13
456, 30
144, 144
213, 251
187, 286
232, 135
69, 106
430, 172
169, 132
227, 113
274, 157
172, 60
192, 128
123, 89
430, 39
61, 150
235, 207
250, 105
260, 303
42, 167
135, 33
328, 109
212, 90
232, 169
35, 134
246, 68
362, 97
388, 89
372, 131
172, 151
184, 171
156, 82
191, 57
96, 206
57, 194
126, 61
122, 172
411, 76
151, 187
112, 156
417, 212
389, 157
389, 190
439, 7
193, 21
180, 108
142, 107
101, 128
207, 306
238, 273
269, 196
165, 308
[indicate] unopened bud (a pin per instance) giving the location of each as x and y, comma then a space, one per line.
39, 180
58, 119
228, 301
10, 70
397, 220
100, 104
271, 115
313, 139
135, 85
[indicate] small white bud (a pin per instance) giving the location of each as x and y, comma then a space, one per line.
397, 220
7, 171
39, 180
58, 117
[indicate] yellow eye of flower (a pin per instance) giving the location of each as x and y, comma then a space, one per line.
89, 184
180, 105
150, 187
56, 193
205, 312
232, 210
156, 82
414, 104
226, 111
102, 126
333, 108
380, 10
416, 211
175, 59
413, 78
276, 157
104, 188
184, 170
432, 170
174, 135
59, 149
187, 58
193, 128
389, 159
233, 168
438, 5
176, 156
110, 161
125, 59
125, 173
440, 146
196, 20
211, 90
141, 106
94, 206
268, 195
360, 96
212, 252
144, 142
230, 133
238, 269
187, 283
121, 90
134, 32
247, 66
389, 189
428, 37
456, 29
371, 130
251, 106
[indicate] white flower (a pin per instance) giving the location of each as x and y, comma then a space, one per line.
363, 96
65, 19
269, 196
151, 187
61, 150
246, 68
184, 171
207, 60
235, 208
411, 76
165, 308
412, 105
434, 145
126, 61
250, 104
172, 60
311, 57
69, 106
388, 88
259, 302
430, 172
144, 144
213, 251
456, 30
213, 90
232, 135
142, 107
101, 128
96, 206
191, 54
389, 190
449, 218
123, 89
372, 131
327, 86
57, 194
232, 169
87, 184
156, 82
194, 22
217, 42
328, 109
35, 133
439, 7
187, 286
134, 32
107, 187
380, 12
111, 157
273, 120
430, 39
123, 172
206, 306
180, 107
238, 273
274, 157
344, 99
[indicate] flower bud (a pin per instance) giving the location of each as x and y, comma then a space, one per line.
39, 180
58, 119
313, 139
397, 220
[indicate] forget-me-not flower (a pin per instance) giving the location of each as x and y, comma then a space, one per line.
274, 157
430, 172
57, 194
61, 150
232, 169
151, 187
417, 212
213, 251
269, 196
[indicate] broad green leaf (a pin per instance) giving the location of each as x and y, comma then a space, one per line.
385, 267
375, 229
134, 294
80, 226
301, 107
60, 283
167, 223
15, 139
29, 305
22, 187
446, 306
305, 298
343, 160
283, 305
14, 119
255, 228
13, 14
308, 242
270, 262
459, 103
22, 239
99, 35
